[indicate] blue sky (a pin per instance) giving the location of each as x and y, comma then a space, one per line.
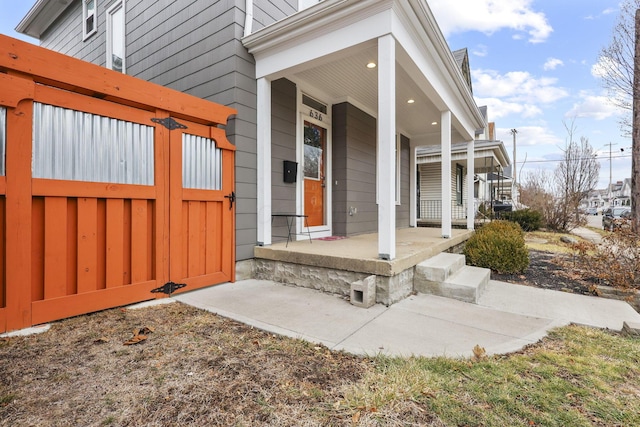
532, 65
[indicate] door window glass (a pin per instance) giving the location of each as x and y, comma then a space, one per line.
313, 151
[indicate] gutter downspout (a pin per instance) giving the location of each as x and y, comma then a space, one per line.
248, 19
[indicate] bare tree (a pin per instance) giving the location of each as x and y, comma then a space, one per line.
635, 148
620, 71
558, 196
616, 62
576, 175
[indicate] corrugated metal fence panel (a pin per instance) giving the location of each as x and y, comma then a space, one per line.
201, 163
3, 139
78, 146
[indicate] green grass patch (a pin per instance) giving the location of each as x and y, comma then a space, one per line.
577, 376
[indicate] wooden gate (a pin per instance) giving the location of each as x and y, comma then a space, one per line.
201, 234
98, 204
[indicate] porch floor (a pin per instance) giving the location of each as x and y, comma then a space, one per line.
360, 253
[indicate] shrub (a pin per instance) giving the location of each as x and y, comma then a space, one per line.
499, 246
529, 219
614, 262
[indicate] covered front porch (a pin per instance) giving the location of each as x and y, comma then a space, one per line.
346, 93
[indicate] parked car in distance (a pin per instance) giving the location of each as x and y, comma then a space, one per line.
591, 211
616, 218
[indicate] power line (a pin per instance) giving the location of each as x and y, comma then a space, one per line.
582, 158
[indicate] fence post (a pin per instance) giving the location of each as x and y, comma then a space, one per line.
18, 215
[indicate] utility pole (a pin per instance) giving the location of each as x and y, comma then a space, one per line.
514, 186
610, 171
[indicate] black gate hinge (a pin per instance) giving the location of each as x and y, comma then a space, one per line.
168, 288
169, 123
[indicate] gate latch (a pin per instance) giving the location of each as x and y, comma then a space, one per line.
232, 199
168, 288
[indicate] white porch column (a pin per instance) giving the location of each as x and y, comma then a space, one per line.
264, 160
413, 187
445, 142
386, 165
471, 166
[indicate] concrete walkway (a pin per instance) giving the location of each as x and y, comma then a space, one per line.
507, 318
587, 234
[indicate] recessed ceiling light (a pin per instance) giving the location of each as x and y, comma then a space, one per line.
411, 101
434, 123
371, 65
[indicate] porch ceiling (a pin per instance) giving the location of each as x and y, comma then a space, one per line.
344, 76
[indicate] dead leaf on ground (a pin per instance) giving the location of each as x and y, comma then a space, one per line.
479, 353
136, 339
355, 419
139, 335
101, 340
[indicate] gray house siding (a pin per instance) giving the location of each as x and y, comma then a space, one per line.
283, 147
354, 167
65, 35
339, 210
402, 210
355, 210
268, 12
194, 47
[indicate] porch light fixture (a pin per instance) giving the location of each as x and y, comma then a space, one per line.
371, 65
434, 123
411, 101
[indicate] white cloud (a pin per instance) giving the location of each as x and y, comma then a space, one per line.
552, 64
489, 16
517, 86
595, 107
499, 108
529, 136
480, 50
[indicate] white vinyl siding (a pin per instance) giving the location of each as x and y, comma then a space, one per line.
431, 192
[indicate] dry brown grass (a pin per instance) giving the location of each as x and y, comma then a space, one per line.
547, 241
199, 369
196, 368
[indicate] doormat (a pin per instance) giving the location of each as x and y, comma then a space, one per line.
331, 238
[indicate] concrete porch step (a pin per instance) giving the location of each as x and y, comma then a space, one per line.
439, 268
447, 275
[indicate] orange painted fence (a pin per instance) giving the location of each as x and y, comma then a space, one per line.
72, 246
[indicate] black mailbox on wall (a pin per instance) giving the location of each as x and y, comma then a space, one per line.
290, 170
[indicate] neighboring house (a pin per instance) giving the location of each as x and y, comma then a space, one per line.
621, 193
617, 194
343, 91
489, 158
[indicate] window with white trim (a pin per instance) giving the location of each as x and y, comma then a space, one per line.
116, 37
459, 184
89, 21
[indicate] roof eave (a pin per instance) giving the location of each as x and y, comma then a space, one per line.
40, 17
444, 51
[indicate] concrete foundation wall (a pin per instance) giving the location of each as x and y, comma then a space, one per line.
389, 290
